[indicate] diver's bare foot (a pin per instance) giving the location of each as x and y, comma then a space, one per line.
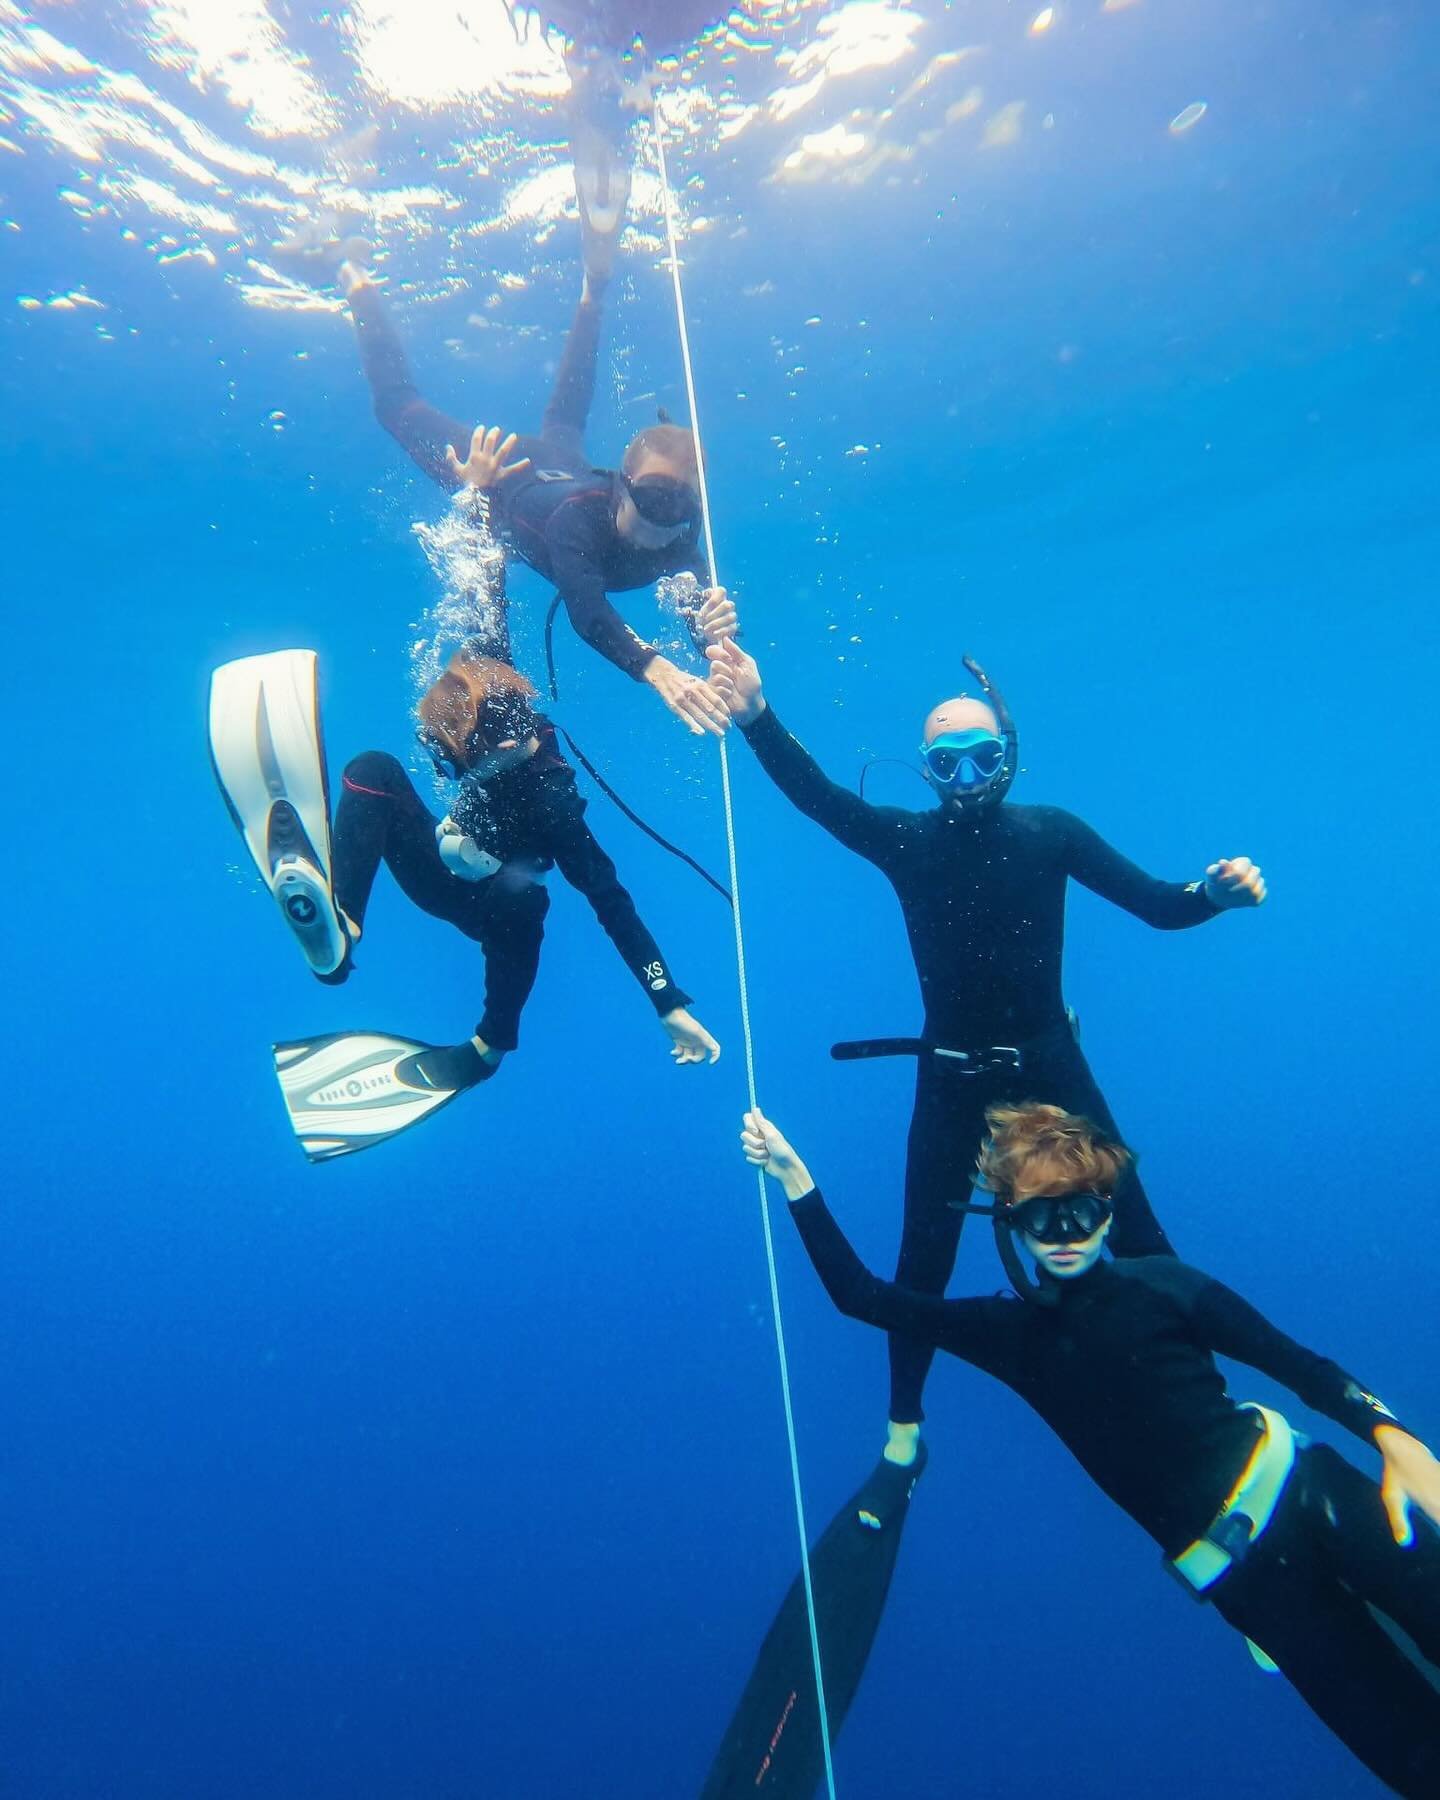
902, 1445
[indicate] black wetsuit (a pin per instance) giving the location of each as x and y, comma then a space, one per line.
1122, 1369
530, 818
983, 896
559, 515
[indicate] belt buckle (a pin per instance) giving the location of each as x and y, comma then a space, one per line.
984, 1062
1230, 1536
1235, 1535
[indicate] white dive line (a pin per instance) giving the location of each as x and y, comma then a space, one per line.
741, 976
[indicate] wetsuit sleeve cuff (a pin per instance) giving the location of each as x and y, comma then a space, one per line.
1204, 905
668, 1000
645, 654
767, 726
811, 1201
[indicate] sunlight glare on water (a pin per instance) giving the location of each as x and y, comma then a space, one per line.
197, 130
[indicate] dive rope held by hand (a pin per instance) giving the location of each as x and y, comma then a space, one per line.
740, 971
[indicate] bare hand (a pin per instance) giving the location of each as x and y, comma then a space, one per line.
767, 1148
1235, 881
1411, 1478
717, 617
485, 467
735, 677
693, 1043
693, 701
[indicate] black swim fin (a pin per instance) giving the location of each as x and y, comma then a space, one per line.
772, 1746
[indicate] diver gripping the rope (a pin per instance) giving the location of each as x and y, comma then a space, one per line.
482, 869
982, 885
1294, 1547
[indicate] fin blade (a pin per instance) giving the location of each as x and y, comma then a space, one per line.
343, 1092
268, 755
772, 1745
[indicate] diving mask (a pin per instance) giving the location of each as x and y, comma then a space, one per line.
1059, 1218
964, 761
663, 502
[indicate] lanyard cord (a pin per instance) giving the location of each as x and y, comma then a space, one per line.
742, 978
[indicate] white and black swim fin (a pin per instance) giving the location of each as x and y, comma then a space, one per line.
269, 759
353, 1089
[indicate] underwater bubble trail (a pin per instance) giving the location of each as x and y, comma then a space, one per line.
469, 563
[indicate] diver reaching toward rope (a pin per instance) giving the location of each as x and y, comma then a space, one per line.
1294, 1547
589, 531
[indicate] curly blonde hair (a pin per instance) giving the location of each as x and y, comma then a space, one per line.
1038, 1149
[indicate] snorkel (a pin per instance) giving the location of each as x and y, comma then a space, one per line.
1029, 1287
1068, 1222
979, 774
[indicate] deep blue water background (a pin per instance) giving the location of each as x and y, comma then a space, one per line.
459, 1469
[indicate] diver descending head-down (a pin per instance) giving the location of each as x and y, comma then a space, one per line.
1294, 1547
590, 531
482, 869
982, 884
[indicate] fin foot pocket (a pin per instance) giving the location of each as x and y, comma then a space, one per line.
452, 1067
308, 908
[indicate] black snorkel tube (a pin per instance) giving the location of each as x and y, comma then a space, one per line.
994, 791
1026, 1285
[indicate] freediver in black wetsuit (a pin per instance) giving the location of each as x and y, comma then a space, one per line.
482, 869
589, 531
982, 885
1293, 1545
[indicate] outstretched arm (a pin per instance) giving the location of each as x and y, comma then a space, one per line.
966, 1328
875, 832
576, 571
422, 430
1167, 905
